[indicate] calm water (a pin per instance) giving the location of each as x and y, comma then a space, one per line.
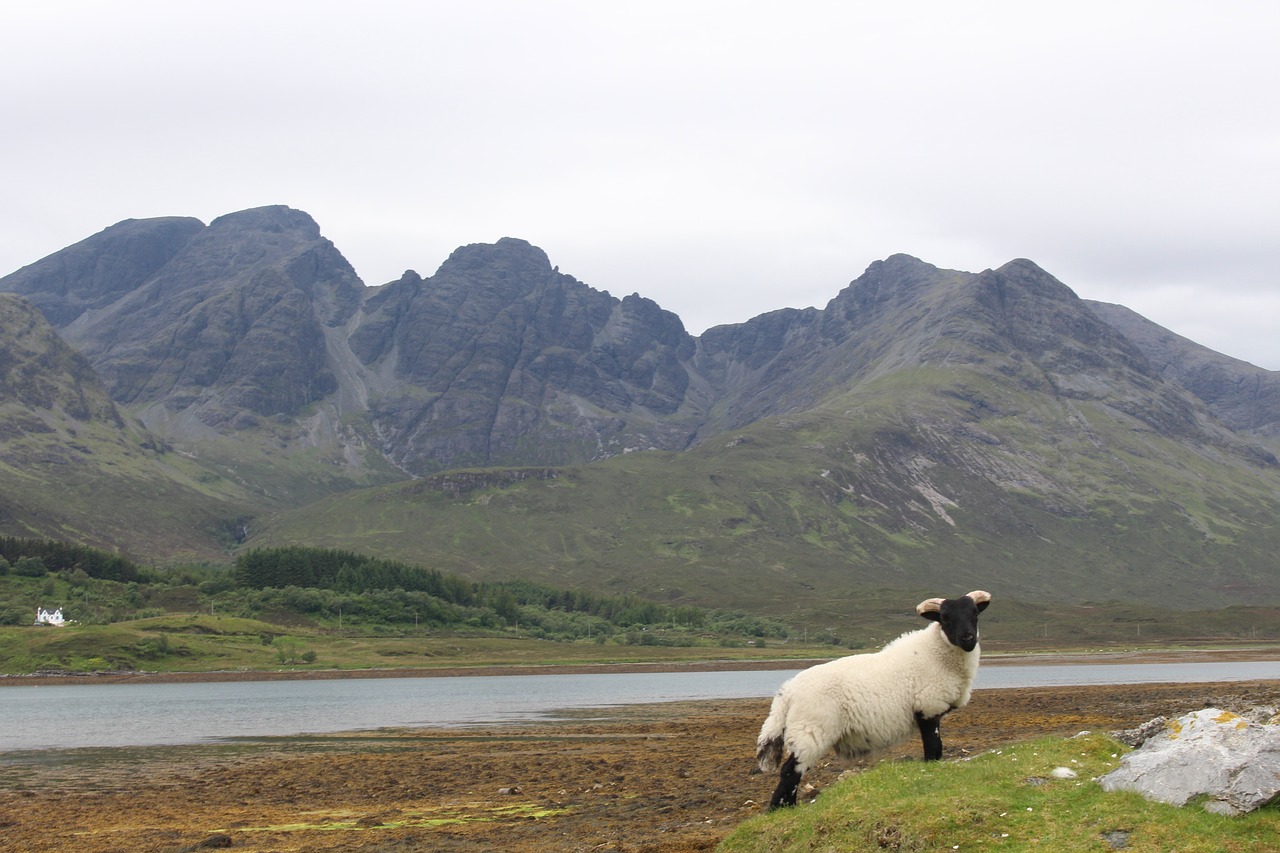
72, 716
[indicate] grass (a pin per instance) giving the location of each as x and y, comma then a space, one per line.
796, 517
188, 637
205, 643
1006, 799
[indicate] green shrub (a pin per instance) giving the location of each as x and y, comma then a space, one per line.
30, 567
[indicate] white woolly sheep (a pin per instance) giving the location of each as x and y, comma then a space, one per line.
864, 702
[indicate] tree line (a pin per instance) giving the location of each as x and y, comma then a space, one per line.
62, 556
344, 589
345, 572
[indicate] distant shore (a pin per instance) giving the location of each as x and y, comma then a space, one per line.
1259, 653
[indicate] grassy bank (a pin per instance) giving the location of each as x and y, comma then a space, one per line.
1006, 799
198, 619
205, 643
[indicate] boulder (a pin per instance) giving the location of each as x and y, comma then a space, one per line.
1232, 761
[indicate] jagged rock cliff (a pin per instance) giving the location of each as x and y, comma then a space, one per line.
226, 320
500, 359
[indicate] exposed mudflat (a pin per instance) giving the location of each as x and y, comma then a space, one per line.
668, 777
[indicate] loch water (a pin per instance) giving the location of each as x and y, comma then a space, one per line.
73, 716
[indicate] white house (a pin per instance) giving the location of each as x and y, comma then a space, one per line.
44, 617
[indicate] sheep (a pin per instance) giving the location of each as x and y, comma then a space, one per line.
860, 703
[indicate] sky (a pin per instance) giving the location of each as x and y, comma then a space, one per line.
721, 158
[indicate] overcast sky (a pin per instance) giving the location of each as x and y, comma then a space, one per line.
722, 158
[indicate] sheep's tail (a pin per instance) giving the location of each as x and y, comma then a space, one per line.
771, 743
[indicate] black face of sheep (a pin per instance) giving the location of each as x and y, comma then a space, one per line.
957, 616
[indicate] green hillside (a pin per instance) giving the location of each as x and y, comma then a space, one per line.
909, 488
305, 609
74, 467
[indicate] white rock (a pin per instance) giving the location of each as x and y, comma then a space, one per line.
1234, 761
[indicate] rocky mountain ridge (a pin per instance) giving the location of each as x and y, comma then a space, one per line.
1244, 397
500, 359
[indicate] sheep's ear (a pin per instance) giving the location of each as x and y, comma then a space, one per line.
980, 598
930, 609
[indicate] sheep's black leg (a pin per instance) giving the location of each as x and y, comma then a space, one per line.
930, 736
788, 785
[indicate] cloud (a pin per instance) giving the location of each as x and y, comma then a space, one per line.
722, 159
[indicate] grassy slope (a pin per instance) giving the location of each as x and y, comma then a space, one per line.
1004, 800
833, 516
287, 462
208, 643
91, 483
72, 467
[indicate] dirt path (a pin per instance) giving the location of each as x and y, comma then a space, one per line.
671, 777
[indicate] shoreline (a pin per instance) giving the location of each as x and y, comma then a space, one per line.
1259, 653
667, 778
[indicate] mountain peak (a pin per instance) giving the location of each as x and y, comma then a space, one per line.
271, 218
1022, 265
897, 266
894, 278
901, 260
508, 256
100, 269
1030, 275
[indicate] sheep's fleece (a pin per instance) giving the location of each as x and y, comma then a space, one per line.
864, 702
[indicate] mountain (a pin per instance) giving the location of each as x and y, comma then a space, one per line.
227, 320
500, 359
255, 328
99, 270
218, 339
924, 430
928, 429
74, 467
1244, 397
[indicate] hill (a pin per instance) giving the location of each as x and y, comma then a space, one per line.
74, 467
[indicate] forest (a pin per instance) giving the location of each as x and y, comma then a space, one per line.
343, 590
